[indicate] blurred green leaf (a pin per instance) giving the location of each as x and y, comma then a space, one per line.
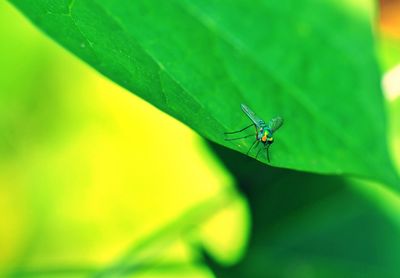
395, 116
389, 52
311, 62
394, 109
307, 225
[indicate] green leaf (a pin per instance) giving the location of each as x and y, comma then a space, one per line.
311, 62
389, 52
307, 225
395, 130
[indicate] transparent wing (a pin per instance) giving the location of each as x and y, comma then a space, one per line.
275, 123
253, 117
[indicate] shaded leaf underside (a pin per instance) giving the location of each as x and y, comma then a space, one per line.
307, 225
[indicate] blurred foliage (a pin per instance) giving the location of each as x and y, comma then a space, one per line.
394, 110
312, 62
84, 177
306, 225
389, 49
389, 33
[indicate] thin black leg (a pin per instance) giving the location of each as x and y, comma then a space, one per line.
231, 139
239, 130
255, 141
259, 152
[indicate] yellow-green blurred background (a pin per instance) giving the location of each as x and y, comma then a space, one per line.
91, 175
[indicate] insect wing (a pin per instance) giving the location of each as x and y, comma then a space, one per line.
253, 117
275, 123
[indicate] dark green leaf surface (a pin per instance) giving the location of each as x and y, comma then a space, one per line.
311, 62
307, 225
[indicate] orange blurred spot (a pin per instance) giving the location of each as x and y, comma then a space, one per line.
390, 17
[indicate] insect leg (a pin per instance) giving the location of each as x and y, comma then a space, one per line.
268, 153
255, 141
230, 139
239, 130
258, 152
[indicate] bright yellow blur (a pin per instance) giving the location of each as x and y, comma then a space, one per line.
88, 170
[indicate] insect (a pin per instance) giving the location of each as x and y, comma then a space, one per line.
264, 132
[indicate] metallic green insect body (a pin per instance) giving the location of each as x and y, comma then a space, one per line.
264, 132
